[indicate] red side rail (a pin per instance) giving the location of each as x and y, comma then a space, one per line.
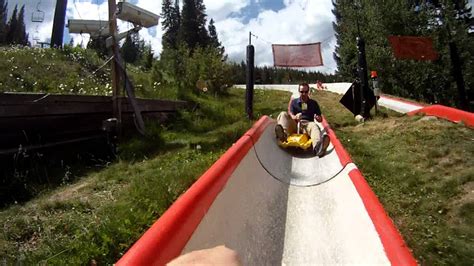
167, 237
395, 248
448, 113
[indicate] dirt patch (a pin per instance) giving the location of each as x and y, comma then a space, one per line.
378, 125
70, 192
467, 196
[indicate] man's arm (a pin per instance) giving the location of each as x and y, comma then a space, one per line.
291, 110
317, 114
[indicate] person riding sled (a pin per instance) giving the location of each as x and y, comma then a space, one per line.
305, 111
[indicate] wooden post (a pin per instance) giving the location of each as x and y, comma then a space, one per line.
115, 77
58, 25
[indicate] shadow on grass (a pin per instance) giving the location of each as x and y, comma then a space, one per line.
26, 174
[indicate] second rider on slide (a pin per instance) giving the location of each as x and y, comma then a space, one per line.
307, 111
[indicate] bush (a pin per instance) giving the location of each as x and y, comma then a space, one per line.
181, 70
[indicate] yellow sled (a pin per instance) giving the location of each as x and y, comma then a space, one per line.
296, 140
302, 141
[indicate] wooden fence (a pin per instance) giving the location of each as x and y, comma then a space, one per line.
30, 121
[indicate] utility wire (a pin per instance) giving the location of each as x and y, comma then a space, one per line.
263, 40
77, 9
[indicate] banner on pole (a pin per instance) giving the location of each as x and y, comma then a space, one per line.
297, 55
413, 47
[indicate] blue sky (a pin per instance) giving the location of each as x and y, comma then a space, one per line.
273, 21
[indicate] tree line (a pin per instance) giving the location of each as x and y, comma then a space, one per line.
12, 31
192, 53
447, 22
278, 75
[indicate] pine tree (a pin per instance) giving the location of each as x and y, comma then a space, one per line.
12, 26
204, 39
16, 33
193, 30
3, 21
213, 39
147, 57
345, 52
171, 23
22, 36
99, 45
130, 49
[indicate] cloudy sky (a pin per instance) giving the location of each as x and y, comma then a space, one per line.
272, 21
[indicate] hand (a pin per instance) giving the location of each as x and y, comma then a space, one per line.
220, 255
298, 116
318, 118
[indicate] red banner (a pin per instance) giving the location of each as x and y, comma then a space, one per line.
297, 55
412, 47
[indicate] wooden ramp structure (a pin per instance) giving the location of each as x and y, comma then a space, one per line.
39, 120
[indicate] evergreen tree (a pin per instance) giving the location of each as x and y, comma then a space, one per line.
12, 26
193, 24
98, 44
147, 56
345, 52
22, 36
170, 23
130, 48
204, 39
443, 21
16, 33
3, 21
213, 39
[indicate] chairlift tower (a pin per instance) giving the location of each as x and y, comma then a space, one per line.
139, 18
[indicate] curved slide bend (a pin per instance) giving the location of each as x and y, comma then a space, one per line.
273, 208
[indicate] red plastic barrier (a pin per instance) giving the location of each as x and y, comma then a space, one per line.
343, 155
448, 113
167, 237
395, 248
393, 243
403, 100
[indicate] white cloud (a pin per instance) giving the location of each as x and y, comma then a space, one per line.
220, 10
300, 21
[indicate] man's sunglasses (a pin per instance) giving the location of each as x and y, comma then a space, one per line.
304, 92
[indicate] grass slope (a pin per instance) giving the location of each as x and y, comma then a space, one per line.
422, 171
97, 218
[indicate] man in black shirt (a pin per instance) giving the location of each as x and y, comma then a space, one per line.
306, 111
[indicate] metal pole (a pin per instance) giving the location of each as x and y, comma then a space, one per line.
116, 105
250, 81
58, 24
362, 73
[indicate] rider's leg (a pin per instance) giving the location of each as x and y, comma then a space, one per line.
288, 124
314, 132
320, 141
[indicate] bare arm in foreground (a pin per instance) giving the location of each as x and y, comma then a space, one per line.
219, 255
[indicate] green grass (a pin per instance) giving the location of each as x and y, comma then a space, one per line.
103, 213
422, 172
37, 70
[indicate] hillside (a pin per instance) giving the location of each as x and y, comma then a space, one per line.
421, 169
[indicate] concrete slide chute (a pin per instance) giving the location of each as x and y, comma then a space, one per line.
293, 166
273, 208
